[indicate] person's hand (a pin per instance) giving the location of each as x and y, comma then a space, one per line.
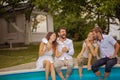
48, 47
87, 42
79, 59
112, 56
64, 49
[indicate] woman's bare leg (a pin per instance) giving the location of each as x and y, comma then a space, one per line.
89, 61
53, 72
80, 71
47, 68
79, 67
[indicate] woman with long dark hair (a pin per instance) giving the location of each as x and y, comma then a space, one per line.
46, 50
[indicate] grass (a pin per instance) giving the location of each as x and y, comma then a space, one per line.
77, 47
15, 57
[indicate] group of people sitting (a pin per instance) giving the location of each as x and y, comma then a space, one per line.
57, 51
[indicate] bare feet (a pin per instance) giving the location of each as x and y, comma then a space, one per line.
89, 67
80, 74
63, 78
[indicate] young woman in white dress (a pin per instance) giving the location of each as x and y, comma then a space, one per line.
46, 51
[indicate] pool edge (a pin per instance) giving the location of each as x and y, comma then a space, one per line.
31, 70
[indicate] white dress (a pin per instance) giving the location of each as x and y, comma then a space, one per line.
46, 56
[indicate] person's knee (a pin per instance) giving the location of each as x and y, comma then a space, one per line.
57, 64
79, 60
48, 63
70, 63
110, 64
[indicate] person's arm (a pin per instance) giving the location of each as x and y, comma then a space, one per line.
96, 49
41, 49
81, 52
90, 46
71, 49
116, 46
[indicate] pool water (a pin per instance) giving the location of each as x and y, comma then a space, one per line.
40, 75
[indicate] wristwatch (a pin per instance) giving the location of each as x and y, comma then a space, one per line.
67, 51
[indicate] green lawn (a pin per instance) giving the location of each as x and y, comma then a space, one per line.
15, 57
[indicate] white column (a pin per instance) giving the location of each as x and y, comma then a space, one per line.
50, 23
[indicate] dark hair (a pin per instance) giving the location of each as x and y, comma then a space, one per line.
54, 43
97, 29
48, 35
64, 28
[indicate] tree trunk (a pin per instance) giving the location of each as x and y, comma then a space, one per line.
27, 33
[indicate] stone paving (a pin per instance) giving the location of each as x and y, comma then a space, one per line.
30, 65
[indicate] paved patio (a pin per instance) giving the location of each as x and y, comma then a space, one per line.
30, 65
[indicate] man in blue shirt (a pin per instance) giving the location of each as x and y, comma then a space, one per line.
108, 52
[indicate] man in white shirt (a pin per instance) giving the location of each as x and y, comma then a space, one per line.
64, 54
108, 52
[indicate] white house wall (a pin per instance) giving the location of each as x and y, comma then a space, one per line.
2, 29
15, 37
37, 37
18, 37
5, 36
20, 20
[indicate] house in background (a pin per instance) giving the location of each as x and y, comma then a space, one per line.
115, 29
42, 27
17, 32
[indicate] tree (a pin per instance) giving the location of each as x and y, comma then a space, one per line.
10, 6
76, 14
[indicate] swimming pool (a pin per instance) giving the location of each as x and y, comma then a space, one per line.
40, 75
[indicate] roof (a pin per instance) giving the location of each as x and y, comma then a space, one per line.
10, 9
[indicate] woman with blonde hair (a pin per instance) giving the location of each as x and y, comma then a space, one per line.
88, 53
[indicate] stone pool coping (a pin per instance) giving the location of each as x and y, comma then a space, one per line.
31, 70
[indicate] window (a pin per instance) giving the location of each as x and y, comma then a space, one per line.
39, 23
